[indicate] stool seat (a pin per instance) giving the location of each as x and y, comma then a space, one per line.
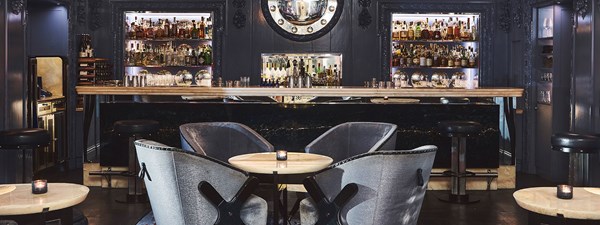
24, 137
136, 126
459, 128
576, 143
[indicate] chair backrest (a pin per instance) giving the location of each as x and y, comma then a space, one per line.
172, 182
222, 140
353, 138
390, 186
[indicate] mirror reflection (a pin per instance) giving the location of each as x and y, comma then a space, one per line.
302, 12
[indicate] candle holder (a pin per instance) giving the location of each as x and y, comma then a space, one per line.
39, 186
281, 155
564, 191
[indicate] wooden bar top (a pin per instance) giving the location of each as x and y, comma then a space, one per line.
316, 91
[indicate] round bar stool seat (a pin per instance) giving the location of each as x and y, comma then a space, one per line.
458, 131
24, 139
576, 144
135, 129
19, 138
136, 126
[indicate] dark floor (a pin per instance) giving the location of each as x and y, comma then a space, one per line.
495, 207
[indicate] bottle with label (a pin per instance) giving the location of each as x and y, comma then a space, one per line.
411, 32
202, 29
403, 31
425, 35
418, 31
450, 30
174, 30
195, 30
396, 31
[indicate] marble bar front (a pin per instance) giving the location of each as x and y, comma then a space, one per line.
292, 126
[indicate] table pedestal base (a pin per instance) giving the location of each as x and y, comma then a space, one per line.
537, 219
61, 216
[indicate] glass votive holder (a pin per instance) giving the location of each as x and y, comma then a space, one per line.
39, 186
281, 154
564, 191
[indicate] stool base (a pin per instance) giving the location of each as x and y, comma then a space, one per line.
459, 199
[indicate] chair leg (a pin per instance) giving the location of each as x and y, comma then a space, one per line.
459, 172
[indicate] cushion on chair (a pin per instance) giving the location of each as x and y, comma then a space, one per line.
576, 143
173, 190
353, 138
24, 137
389, 187
222, 140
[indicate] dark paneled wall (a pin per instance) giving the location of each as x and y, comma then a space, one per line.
12, 74
47, 30
585, 98
361, 47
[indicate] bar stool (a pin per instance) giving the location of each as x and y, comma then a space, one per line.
458, 131
24, 139
576, 145
135, 129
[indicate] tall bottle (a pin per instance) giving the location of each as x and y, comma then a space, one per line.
403, 31
411, 32
437, 34
425, 35
474, 30
195, 30
202, 29
174, 30
457, 29
418, 31
450, 30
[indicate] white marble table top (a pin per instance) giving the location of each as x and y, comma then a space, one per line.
585, 205
6, 188
266, 163
21, 201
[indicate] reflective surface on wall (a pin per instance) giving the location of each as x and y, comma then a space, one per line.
302, 18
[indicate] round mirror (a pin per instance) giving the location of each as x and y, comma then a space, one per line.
302, 20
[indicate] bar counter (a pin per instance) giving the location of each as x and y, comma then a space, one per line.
316, 91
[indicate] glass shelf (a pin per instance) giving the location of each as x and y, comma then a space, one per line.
166, 67
171, 39
434, 41
434, 68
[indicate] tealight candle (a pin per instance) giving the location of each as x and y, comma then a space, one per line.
564, 191
281, 154
39, 186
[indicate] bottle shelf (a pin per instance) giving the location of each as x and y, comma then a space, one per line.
166, 67
171, 39
434, 41
434, 68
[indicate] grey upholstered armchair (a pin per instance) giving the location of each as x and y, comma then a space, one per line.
381, 187
222, 140
176, 180
353, 138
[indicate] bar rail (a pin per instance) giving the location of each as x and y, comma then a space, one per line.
317, 92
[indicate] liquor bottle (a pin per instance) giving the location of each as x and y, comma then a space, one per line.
464, 61
396, 31
403, 31
130, 30
207, 55
474, 30
194, 59
167, 29
174, 33
150, 30
139, 31
472, 58
160, 31
195, 30
418, 31
425, 35
457, 59
202, 32
182, 31
450, 30
208, 30
411, 32
437, 34
457, 29
465, 35
428, 59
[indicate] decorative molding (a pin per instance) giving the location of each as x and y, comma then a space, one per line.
94, 7
582, 7
302, 38
239, 4
364, 18
518, 14
217, 8
239, 19
504, 18
364, 3
16, 6
486, 10
81, 11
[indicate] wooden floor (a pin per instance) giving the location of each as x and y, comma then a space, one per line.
495, 207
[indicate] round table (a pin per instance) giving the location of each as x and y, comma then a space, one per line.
20, 203
266, 163
585, 204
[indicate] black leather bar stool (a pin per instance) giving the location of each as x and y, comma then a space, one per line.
135, 129
25, 140
576, 145
459, 131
